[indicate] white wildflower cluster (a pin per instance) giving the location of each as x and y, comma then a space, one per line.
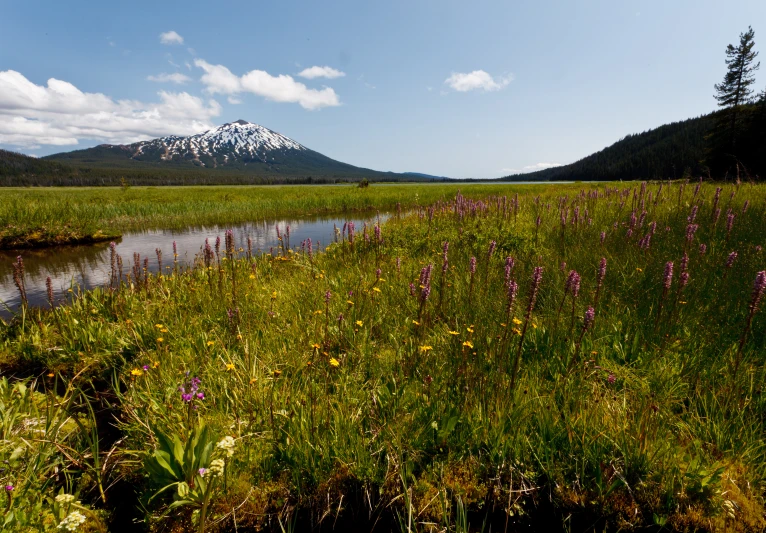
64, 498
216, 468
226, 445
72, 521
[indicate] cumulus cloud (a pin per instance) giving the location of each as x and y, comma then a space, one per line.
476, 80
171, 37
530, 168
321, 72
282, 88
175, 77
61, 114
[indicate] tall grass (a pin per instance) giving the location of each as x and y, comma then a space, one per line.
43, 216
364, 386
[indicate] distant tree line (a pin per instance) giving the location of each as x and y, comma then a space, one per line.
19, 170
727, 144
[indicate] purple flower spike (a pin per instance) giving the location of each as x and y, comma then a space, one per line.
759, 287
590, 316
667, 278
730, 260
472, 266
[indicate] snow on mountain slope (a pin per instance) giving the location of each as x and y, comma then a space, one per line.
233, 141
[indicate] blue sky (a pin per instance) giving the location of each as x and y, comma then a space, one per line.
462, 89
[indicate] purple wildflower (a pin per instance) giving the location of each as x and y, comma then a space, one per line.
691, 229
667, 278
572, 284
590, 316
472, 266
513, 289
703, 249
759, 287
509, 263
327, 296
730, 260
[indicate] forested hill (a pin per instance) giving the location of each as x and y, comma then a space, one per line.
663, 152
16, 164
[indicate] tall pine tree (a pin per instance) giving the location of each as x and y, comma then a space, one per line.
735, 90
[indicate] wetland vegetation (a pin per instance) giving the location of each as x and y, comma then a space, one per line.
573, 357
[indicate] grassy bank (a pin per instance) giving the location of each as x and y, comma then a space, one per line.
398, 383
50, 216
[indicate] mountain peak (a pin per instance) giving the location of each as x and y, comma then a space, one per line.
239, 141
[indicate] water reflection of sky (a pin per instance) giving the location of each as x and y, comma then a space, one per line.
88, 265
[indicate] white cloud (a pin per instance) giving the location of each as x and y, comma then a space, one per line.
530, 168
478, 79
61, 114
282, 88
234, 100
171, 37
175, 77
321, 72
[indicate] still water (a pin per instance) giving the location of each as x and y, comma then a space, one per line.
88, 266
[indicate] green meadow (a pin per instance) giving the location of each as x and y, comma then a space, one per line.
31, 217
504, 358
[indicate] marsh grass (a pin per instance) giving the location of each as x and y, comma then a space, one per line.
354, 400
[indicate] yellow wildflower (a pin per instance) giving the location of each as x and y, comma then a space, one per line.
416, 322
210, 343
160, 339
164, 330
229, 366
349, 302
516, 321
315, 346
640, 269
334, 362
159, 326
425, 349
274, 295
277, 373
155, 364
51, 374
516, 331
469, 344
252, 380
453, 333
136, 372
252, 276
359, 323
469, 329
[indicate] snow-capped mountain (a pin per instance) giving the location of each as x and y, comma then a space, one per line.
238, 147
238, 141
